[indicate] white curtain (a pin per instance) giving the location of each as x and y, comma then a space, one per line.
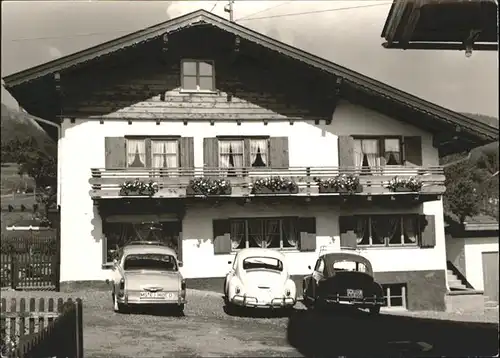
231, 154
255, 233
272, 231
164, 156
290, 235
136, 153
392, 151
238, 235
358, 153
370, 150
410, 230
258, 153
361, 228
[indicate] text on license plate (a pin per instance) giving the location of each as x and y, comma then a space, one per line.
157, 295
354, 293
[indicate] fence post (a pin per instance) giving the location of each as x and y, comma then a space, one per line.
79, 328
14, 274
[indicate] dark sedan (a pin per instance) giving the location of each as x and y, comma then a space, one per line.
343, 279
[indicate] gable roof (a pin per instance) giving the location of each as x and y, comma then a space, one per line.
482, 131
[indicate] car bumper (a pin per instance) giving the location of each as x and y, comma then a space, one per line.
351, 301
280, 302
125, 300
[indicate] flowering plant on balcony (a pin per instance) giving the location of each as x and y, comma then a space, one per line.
138, 187
274, 184
208, 186
404, 184
344, 183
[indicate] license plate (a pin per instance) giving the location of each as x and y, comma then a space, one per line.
157, 295
354, 293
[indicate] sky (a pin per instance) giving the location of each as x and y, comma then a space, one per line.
344, 32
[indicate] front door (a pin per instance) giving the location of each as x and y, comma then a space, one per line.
490, 275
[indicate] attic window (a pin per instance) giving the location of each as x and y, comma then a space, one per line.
197, 75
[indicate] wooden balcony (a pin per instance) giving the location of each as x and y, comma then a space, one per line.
172, 183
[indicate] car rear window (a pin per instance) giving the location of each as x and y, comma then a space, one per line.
349, 266
267, 263
158, 262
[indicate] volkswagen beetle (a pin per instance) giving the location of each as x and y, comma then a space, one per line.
147, 273
343, 279
259, 278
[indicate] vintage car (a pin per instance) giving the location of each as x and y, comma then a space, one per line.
147, 273
343, 279
259, 278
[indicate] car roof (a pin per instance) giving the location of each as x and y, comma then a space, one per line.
255, 251
148, 249
332, 257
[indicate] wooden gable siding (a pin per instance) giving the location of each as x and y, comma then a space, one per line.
147, 86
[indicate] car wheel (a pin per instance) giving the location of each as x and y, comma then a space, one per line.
116, 304
180, 309
375, 310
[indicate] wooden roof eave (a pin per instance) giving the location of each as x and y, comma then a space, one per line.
201, 16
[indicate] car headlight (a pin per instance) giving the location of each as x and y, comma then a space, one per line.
237, 290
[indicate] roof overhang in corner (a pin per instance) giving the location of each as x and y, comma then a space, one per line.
480, 132
442, 25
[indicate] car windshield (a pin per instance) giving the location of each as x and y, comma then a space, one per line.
267, 263
349, 266
157, 262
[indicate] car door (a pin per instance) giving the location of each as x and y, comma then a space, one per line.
117, 270
316, 276
230, 275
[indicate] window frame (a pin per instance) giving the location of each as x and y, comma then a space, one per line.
197, 76
386, 288
246, 151
387, 243
148, 140
381, 146
280, 219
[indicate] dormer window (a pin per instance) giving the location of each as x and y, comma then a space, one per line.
197, 75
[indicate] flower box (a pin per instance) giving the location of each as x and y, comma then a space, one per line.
326, 189
190, 191
404, 185
138, 188
264, 190
208, 187
131, 192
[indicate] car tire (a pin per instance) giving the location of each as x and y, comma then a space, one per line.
375, 310
180, 309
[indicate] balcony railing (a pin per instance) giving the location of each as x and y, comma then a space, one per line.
174, 182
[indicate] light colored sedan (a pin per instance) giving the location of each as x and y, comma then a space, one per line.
147, 273
259, 278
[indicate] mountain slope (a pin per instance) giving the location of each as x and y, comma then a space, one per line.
19, 125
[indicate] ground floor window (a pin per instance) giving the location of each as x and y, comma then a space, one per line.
278, 233
118, 234
388, 230
395, 295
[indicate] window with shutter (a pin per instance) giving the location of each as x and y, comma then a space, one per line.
235, 154
413, 150
307, 230
347, 228
222, 237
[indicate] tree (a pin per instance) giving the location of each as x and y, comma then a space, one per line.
464, 189
38, 164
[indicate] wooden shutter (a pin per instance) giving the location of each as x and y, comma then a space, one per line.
278, 152
307, 242
346, 151
222, 237
115, 152
347, 228
149, 153
428, 231
179, 246
211, 153
413, 150
186, 146
307, 231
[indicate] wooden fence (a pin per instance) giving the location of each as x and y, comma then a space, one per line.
30, 262
54, 329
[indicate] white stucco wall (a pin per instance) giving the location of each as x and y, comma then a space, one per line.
474, 248
82, 148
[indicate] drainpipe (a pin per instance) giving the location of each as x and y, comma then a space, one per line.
58, 127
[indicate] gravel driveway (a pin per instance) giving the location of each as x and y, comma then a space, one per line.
205, 331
